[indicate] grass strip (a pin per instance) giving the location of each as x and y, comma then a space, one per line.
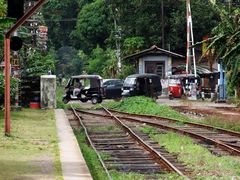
145, 105
32, 149
196, 157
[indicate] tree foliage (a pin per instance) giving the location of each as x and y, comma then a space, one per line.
13, 85
133, 25
92, 27
97, 61
68, 61
60, 17
5, 23
39, 64
133, 44
226, 43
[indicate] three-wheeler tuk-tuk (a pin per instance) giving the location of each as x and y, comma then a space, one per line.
142, 85
184, 84
84, 88
175, 89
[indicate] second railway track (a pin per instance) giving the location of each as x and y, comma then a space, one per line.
229, 139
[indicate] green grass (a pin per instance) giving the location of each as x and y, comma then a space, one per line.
204, 164
32, 149
90, 156
222, 123
145, 105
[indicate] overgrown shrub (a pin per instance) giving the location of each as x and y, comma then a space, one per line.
145, 105
13, 86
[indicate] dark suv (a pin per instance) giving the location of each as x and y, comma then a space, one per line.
112, 88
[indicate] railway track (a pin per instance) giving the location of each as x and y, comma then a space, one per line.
126, 148
219, 141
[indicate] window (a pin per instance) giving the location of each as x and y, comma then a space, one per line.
160, 70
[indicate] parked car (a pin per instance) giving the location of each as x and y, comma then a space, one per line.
142, 85
84, 88
112, 88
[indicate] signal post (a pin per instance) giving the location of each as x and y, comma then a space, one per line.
7, 37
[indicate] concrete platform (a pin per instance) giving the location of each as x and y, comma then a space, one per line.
73, 164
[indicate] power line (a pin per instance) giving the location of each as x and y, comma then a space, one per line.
61, 20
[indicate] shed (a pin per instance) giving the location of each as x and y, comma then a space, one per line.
155, 60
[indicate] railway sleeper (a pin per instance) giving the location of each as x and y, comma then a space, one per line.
113, 143
142, 170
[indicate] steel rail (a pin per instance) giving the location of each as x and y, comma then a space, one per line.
217, 143
229, 132
160, 158
91, 143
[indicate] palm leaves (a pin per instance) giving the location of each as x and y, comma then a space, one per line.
226, 43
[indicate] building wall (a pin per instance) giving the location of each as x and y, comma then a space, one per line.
166, 60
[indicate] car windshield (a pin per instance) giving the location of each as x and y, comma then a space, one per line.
174, 81
129, 81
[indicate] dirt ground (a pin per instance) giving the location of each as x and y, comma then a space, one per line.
202, 109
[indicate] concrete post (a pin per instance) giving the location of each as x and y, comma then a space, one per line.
48, 91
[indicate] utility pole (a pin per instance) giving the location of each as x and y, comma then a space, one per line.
117, 39
7, 62
162, 20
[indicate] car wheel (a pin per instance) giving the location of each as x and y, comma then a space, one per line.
99, 100
65, 100
83, 100
94, 100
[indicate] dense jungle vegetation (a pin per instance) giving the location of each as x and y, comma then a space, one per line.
87, 35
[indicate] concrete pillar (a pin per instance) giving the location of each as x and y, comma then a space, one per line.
48, 91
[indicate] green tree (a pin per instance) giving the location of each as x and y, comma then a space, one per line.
60, 17
226, 44
39, 64
5, 23
92, 27
111, 68
13, 83
133, 44
68, 61
3, 8
143, 19
97, 61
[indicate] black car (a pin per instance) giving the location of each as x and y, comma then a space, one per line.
142, 85
112, 88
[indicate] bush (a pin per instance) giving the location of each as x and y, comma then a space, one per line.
145, 105
13, 89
